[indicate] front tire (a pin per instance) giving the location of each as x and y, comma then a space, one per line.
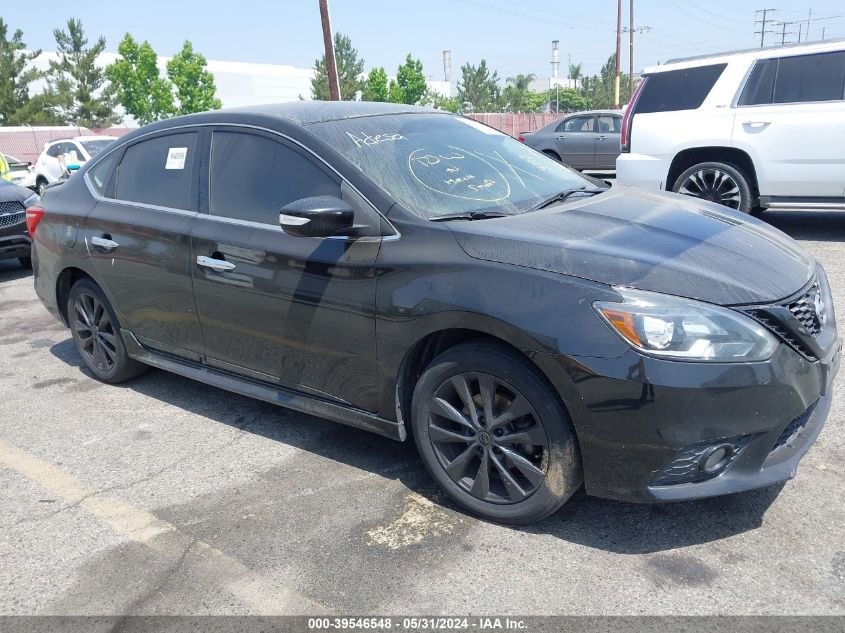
717, 182
26, 261
96, 334
494, 435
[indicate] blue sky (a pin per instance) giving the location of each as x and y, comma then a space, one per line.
513, 35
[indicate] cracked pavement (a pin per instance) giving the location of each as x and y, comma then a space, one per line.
165, 496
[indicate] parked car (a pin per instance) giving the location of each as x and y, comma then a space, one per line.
20, 172
48, 167
410, 271
753, 130
14, 237
587, 141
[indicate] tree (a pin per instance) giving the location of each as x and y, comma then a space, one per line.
140, 89
349, 70
477, 87
195, 89
80, 86
15, 77
410, 81
599, 89
567, 100
376, 86
436, 100
515, 96
575, 73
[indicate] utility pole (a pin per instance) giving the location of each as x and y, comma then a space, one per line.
800, 28
823, 34
631, 51
618, 51
784, 32
763, 23
331, 64
807, 32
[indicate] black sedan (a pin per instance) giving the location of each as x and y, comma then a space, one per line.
412, 272
14, 237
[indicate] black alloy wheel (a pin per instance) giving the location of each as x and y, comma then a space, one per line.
97, 336
488, 438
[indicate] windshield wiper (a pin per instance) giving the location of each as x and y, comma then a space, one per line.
563, 195
471, 215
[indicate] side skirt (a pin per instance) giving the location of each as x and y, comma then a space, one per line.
262, 391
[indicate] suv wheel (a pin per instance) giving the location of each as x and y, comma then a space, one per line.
96, 334
40, 186
494, 435
717, 182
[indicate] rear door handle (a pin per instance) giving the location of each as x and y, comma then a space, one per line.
105, 243
218, 265
601, 137
559, 138
756, 123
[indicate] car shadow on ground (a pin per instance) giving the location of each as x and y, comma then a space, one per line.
613, 526
814, 226
10, 270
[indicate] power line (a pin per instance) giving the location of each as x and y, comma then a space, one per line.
762, 23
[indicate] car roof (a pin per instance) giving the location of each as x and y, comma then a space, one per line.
309, 112
748, 54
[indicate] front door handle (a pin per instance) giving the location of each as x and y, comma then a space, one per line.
559, 138
105, 243
756, 123
601, 137
218, 265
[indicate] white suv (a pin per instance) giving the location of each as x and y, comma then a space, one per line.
48, 169
751, 130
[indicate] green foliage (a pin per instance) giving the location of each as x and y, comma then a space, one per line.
568, 100
411, 81
575, 72
78, 85
478, 90
349, 69
16, 106
395, 93
376, 87
436, 100
599, 89
195, 89
140, 89
516, 97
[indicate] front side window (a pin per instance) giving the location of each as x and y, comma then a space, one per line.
579, 124
438, 164
252, 177
158, 171
673, 90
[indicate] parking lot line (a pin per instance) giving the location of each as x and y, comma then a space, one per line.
165, 538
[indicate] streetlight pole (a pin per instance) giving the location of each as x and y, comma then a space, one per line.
631, 51
618, 50
331, 64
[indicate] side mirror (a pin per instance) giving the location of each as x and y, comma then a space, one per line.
318, 216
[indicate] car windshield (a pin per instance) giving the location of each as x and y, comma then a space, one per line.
440, 164
95, 147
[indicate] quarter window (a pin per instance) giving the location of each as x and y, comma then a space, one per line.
674, 90
797, 79
252, 177
100, 174
158, 171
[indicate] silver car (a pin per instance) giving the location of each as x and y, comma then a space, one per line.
588, 141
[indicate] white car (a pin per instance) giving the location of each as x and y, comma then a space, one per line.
753, 130
48, 169
20, 172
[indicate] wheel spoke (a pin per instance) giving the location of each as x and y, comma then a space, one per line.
80, 310
109, 353
458, 466
515, 491
439, 434
108, 338
533, 435
442, 408
518, 408
462, 389
487, 389
531, 472
99, 357
481, 485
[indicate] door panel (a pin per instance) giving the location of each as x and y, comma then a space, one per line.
575, 139
607, 141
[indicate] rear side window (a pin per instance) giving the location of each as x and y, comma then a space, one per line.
674, 90
610, 124
252, 177
799, 79
578, 124
158, 171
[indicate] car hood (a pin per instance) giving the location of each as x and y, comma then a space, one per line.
651, 241
10, 192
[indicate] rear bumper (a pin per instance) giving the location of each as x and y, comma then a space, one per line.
646, 424
641, 170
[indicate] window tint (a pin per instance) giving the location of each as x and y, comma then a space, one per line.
678, 89
55, 150
253, 177
158, 171
758, 89
100, 174
810, 78
609, 124
578, 124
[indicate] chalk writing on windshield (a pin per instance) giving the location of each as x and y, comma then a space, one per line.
459, 174
368, 140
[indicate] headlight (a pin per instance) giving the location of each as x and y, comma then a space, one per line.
31, 201
684, 329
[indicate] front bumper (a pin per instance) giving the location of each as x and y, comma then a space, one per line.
640, 419
14, 242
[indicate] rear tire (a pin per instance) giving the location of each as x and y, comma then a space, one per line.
552, 155
96, 334
722, 183
26, 262
40, 186
494, 435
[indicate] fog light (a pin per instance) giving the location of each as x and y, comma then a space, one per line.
716, 458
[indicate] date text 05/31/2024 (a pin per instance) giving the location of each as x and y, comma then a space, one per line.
418, 624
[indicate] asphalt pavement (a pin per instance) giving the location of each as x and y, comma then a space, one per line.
165, 496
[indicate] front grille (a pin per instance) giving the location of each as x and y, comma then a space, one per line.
783, 333
794, 427
804, 310
11, 213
